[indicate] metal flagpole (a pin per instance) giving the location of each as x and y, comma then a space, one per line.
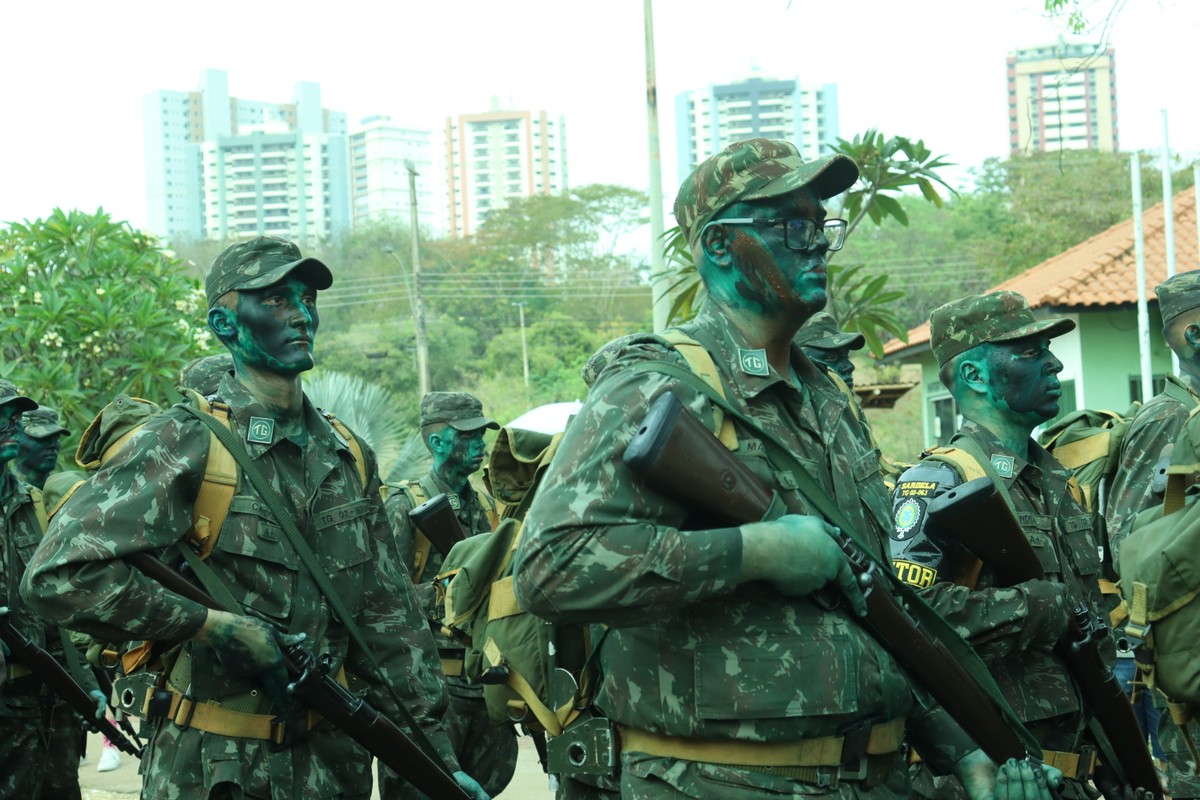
660, 297
1139, 249
1168, 217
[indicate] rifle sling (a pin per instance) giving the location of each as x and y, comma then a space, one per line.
308, 558
910, 600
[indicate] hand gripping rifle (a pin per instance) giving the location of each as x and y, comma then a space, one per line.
50, 672
673, 451
436, 519
1001, 545
316, 689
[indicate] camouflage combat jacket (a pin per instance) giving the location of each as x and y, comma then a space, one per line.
689, 651
1134, 489
141, 501
1013, 628
20, 533
473, 518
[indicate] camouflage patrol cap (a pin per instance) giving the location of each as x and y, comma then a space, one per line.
1177, 294
9, 394
459, 410
203, 375
43, 422
260, 262
1000, 316
822, 332
755, 169
111, 428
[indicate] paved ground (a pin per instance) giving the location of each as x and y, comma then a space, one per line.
123, 783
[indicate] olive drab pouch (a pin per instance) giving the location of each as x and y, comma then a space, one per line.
1159, 566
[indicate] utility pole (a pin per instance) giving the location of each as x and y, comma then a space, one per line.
660, 297
418, 303
524, 347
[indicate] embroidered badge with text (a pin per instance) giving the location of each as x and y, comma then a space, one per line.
261, 430
1003, 465
754, 362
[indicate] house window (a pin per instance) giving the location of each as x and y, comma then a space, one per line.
1158, 383
946, 419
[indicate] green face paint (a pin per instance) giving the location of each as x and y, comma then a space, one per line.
10, 432
39, 456
275, 327
460, 456
836, 360
768, 277
1022, 378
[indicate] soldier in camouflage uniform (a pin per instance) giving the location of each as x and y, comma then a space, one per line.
995, 358
722, 672
452, 426
1139, 484
826, 345
33, 726
229, 674
41, 442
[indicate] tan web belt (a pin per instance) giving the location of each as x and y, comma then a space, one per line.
809, 760
205, 716
1073, 765
18, 671
452, 667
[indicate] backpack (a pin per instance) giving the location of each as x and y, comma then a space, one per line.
1159, 565
1088, 443
534, 673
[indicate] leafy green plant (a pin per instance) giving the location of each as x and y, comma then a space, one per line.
366, 408
93, 308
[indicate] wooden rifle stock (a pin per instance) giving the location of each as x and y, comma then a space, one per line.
673, 451
436, 519
976, 515
317, 690
51, 673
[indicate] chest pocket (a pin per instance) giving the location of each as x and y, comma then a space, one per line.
1043, 545
262, 563
343, 545
1082, 550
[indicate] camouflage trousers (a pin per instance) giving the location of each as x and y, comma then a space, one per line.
66, 745
1183, 781
485, 751
646, 777
589, 787
24, 755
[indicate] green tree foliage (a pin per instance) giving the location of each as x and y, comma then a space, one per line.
93, 308
368, 409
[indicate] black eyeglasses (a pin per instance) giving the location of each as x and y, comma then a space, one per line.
14, 423
799, 233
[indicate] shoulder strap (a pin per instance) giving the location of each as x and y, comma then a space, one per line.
844, 388
66, 496
700, 362
308, 558
968, 466
356, 449
39, 508
422, 547
219, 483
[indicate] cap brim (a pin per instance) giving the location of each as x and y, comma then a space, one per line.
855, 341
42, 431
1049, 327
23, 402
474, 423
830, 175
311, 269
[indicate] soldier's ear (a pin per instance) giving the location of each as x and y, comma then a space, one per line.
1191, 335
714, 241
220, 320
973, 374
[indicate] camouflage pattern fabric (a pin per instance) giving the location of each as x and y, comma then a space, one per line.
43, 422
1014, 629
258, 263
25, 702
1183, 780
66, 746
486, 751
1178, 294
204, 374
141, 500
822, 331
755, 169
459, 410
1157, 423
689, 652
961, 324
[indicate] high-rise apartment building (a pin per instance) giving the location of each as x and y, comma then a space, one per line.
708, 119
381, 152
498, 155
221, 167
1062, 96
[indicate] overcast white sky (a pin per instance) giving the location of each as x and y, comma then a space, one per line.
75, 72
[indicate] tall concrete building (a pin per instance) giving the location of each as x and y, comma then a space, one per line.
380, 153
1062, 96
498, 155
222, 167
708, 119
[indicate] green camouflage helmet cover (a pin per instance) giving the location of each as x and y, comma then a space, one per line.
117, 420
822, 332
9, 394
1000, 316
755, 169
43, 422
459, 410
1177, 294
258, 263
